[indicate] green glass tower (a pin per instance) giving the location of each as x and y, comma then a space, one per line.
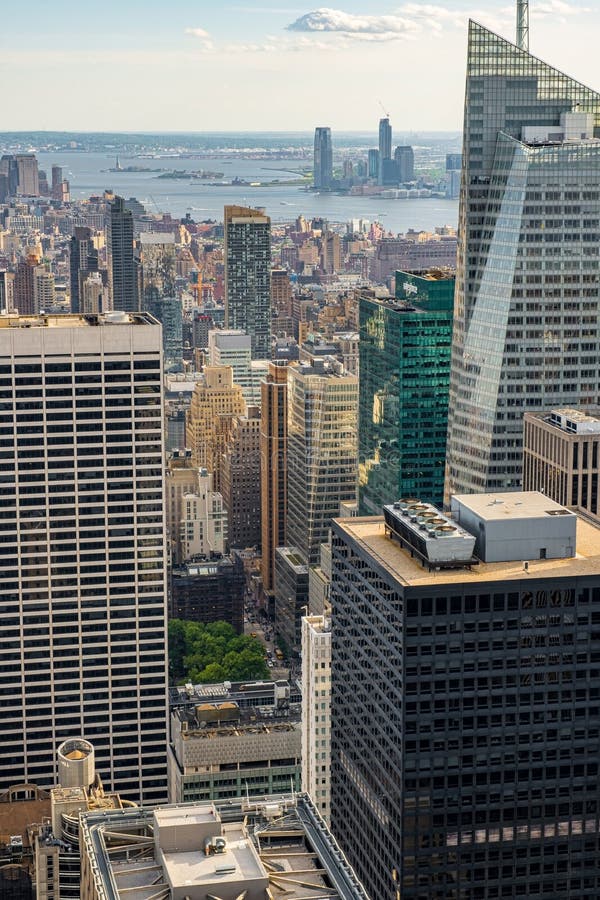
403, 393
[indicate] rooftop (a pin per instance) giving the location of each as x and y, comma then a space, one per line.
512, 505
74, 320
368, 532
271, 848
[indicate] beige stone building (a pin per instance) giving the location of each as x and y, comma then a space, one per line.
273, 469
561, 458
215, 402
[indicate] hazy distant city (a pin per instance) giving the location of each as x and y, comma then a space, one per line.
300, 465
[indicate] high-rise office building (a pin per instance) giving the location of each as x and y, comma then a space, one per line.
465, 725
215, 402
385, 144
57, 180
248, 276
560, 456
373, 163
527, 306
9, 168
83, 589
403, 389
24, 284
122, 268
273, 467
322, 451
240, 481
405, 162
323, 159
83, 259
27, 167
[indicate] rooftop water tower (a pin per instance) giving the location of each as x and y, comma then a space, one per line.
76, 764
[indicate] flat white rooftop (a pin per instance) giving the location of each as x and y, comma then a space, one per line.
511, 505
75, 320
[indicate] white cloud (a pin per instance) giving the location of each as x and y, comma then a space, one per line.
197, 32
335, 20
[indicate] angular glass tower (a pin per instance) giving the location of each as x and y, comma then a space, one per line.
526, 302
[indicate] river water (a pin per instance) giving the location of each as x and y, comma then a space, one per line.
88, 174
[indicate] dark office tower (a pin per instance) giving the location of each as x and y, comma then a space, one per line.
527, 303
83, 259
57, 179
385, 144
405, 161
373, 163
464, 715
248, 276
323, 159
403, 390
122, 268
9, 167
82, 582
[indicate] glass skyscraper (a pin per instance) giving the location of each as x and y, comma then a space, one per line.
403, 390
526, 303
323, 159
248, 276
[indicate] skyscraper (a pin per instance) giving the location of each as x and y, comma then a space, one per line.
322, 451
373, 163
323, 159
123, 276
403, 390
27, 166
464, 725
273, 467
405, 162
385, 144
248, 276
527, 304
82, 588
83, 259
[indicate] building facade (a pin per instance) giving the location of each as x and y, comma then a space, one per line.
464, 722
403, 390
560, 456
405, 162
209, 590
316, 711
273, 468
241, 480
83, 587
220, 750
527, 304
322, 451
122, 269
248, 276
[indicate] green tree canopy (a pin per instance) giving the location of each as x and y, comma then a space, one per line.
214, 652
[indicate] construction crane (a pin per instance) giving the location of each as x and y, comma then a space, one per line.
523, 24
386, 113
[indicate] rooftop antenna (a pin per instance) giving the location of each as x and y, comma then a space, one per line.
523, 24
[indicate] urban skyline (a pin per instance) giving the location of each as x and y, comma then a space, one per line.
301, 517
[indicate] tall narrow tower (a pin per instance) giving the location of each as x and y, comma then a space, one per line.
248, 276
526, 305
323, 159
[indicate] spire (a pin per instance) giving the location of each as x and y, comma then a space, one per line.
523, 24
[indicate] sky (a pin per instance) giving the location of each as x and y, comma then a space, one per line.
276, 65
